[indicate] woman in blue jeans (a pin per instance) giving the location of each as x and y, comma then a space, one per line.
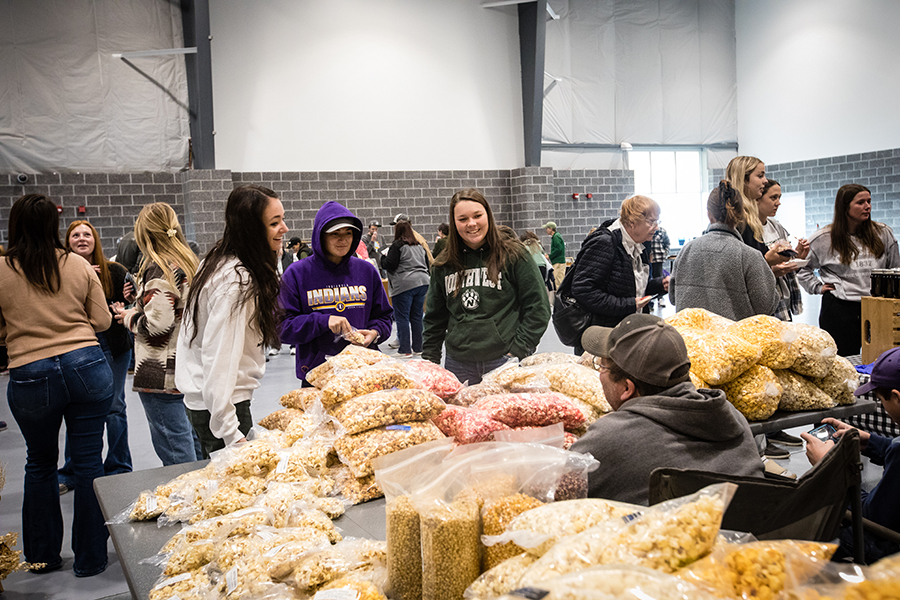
82, 239
407, 265
51, 306
168, 267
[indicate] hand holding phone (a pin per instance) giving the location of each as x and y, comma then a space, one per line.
824, 433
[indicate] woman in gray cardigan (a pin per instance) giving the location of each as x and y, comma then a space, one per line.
718, 271
406, 264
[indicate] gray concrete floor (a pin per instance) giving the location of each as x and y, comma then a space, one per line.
278, 380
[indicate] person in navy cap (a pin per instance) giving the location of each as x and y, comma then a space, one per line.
880, 503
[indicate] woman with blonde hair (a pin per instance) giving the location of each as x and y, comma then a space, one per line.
51, 306
163, 278
610, 278
486, 301
845, 253
717, 271
82, 239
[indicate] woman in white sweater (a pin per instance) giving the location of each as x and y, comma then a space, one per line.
230, 318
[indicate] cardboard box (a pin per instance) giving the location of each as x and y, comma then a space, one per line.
880, 326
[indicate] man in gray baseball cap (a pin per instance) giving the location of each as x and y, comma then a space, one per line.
659, 418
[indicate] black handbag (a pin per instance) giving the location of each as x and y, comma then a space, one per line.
569, 319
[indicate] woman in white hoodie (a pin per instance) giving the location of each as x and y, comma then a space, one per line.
230, 318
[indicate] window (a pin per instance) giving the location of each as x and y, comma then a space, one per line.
674, 178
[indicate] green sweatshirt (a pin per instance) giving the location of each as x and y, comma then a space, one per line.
557, 249
484, 320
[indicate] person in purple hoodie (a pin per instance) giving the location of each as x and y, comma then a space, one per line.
332, 292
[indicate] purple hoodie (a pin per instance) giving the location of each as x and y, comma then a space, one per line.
314, 288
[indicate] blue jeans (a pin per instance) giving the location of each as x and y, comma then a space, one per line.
408, 311
471, 372
118, 454
76, 386
170, 430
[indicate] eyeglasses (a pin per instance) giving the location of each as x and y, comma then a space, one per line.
603, 368
653, 222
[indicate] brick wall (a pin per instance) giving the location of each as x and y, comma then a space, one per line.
820, 179
523, 198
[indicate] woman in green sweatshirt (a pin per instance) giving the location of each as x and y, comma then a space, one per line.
486, 301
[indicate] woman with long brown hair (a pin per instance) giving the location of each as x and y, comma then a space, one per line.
406, 264
231, 315
167, 269
486, 300
51, 306
845, 253
82, 239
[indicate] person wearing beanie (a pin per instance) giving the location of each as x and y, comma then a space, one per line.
332, 293
880, 503
557, 255
659, 418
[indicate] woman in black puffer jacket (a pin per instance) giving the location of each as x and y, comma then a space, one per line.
611, 280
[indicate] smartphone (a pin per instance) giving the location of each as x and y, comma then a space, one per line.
789, 252
824, 432
129, 278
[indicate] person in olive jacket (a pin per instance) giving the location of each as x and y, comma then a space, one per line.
486, 301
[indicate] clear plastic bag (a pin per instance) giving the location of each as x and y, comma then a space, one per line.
718, 358
756, 392
301, 398
311, 518
771, 336
546, 358
357, 451
515, 378
351, 357
531, 410
537, 530
350, 383
620, 582
246, 459
578, 382
799, 393
232, 494
358, 582
354, 336
468, 425
664, 537
451, 554
193, 585
697, 381
758, 570
816, 350
436, 379
840, 382
147, 507
698, 318
496, 516
354, 490
500, 579
469, 395
388, 407
399, 474
280, 419
241, 522
321, 567
550, 435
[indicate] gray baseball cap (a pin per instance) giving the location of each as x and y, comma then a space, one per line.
644, 346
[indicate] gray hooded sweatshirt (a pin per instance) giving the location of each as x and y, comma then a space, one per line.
682, 427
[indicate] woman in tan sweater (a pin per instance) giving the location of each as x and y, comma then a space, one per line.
51, 306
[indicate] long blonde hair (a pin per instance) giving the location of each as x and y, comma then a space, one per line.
738, 174
160, 238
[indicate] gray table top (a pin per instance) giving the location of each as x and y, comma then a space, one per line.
137, 541
785, 420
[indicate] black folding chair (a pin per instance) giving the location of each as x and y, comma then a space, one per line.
810, 508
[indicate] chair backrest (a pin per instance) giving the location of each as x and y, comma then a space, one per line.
808, 509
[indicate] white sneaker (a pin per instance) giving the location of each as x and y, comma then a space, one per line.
274, 351
395, 344
293, 351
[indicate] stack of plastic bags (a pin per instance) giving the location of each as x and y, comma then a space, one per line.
764, 364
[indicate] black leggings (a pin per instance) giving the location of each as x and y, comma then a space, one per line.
842, 319
208, 441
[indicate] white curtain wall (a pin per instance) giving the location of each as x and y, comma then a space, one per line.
66, 104
660, 72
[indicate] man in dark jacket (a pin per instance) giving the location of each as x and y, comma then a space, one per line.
660, 419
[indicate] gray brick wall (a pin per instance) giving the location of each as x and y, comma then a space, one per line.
576, 218
820, 179
522, 198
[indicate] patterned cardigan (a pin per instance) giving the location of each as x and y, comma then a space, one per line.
155, 321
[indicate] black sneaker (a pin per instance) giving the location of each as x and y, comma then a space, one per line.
2, 425
784, 439
774, 452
